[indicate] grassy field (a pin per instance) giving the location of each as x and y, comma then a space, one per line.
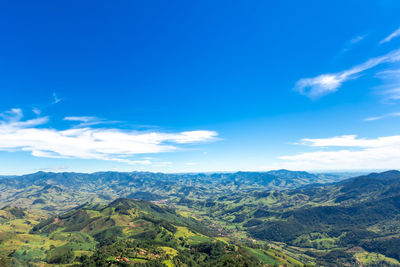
263, 256
375, 259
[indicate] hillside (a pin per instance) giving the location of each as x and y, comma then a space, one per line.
349, 218
345, 223
124, 231
59, 192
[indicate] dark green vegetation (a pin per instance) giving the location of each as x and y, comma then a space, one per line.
336, 222
239, 219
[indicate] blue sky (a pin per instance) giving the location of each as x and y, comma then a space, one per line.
199, 86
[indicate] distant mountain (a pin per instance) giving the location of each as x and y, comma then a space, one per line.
57, 192
279, 179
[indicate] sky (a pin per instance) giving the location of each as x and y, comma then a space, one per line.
199, 86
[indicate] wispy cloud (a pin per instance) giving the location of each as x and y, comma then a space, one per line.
394, 34
358, 39
12, 118
81, 118
392, 94
389, 74
347, 152
89, 143
351, 141
351, 43
56, 99
394, 114
84, 121
390, 87
330, 82
12, 115
36, 111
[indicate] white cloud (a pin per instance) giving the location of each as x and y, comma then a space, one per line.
84, 121
81, 118
390, 87
394, 114
89, 143
351, 141
12, 119
14, 114
330, 82
375, 118
394, 34
347, 152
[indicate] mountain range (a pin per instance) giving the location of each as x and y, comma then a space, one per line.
57, 192
220, 219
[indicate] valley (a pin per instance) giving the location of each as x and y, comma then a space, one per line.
239, 219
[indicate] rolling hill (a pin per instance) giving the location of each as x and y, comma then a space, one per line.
59, 192
243, 218
126, 231
355, 216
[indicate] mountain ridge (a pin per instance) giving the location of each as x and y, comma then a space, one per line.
39, 189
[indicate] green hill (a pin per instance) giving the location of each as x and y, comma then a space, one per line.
338, 222
124, 231
200, 220
59, 192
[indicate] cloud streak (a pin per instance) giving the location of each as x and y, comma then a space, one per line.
394, 114
358, 39
351, 43
390, 87
110, 144
347, 152
330, 82
84, 121
394, 34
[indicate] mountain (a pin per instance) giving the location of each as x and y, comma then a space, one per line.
223, 219
59, 192
279, 179
126, 232
338, 222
